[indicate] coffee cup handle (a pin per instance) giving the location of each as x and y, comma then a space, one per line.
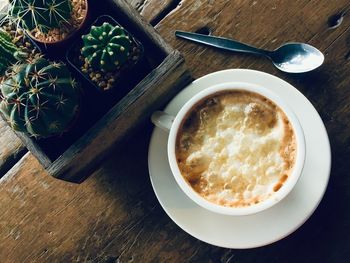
162, 120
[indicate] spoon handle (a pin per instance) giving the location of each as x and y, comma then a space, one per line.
223, 43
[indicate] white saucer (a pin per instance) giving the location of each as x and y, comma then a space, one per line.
270, 225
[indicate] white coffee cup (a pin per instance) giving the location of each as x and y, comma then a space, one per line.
173, 124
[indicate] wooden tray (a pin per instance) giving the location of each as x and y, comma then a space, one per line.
74, 155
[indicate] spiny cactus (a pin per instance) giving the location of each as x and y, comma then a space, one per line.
106, 47
42, 15
9, 52
40, 98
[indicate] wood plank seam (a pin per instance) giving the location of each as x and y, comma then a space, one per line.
140, 6
12, 160
337, 38
11, 173
170, 7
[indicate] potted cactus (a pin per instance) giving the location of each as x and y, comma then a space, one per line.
106, 51
40, 98
48, 21
14, 47
9, 52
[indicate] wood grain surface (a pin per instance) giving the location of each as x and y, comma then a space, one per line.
114, 216
154, 11
11, 148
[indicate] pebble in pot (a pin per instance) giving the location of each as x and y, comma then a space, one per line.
49, 21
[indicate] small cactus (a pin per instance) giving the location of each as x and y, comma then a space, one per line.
42, 15
40, 98
106, 47
9, 52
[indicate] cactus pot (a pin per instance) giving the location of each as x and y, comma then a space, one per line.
69, 37
76, 60
23, 43
40, 98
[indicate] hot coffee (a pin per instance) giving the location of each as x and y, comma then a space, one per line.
236, 148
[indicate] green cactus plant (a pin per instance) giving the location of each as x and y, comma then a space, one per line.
106, 47
42, 15
9, 52
40, 98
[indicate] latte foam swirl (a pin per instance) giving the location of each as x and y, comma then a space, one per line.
236, 148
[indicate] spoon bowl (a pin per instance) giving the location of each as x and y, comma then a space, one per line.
290, 57
296, 58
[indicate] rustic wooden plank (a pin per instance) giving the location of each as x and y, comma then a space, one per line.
265, 24
123, 211
11, 148
155, 11
31, 223
137, 4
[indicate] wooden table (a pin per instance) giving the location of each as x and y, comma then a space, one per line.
114, 216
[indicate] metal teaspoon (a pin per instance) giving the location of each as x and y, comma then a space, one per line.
290, 57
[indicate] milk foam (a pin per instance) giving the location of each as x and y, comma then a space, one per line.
236, 149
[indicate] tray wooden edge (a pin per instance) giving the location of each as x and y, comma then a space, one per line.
148, 30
